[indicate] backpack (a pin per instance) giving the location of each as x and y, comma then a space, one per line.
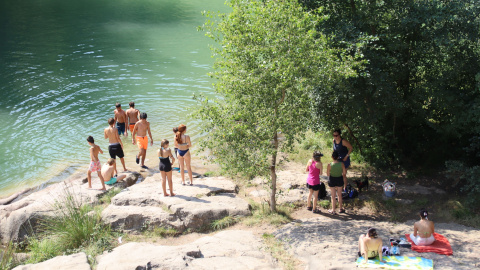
349, 192
322, 193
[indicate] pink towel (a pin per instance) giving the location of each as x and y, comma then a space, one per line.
440, 246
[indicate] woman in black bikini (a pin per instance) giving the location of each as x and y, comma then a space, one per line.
164, 154
183, 143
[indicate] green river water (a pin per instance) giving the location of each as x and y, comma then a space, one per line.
64, 65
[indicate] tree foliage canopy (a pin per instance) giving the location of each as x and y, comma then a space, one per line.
271, 57
416, 101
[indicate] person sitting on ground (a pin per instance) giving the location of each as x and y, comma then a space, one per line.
423, 230
336, 181
108, 172
370, 245
314, 169
164, 154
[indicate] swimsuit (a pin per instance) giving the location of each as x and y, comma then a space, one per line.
121, 128
342, 152
131, 126
182, 152
115, 150
336, 178
142, 142
95, 166
165, 164
112, 181
419, 241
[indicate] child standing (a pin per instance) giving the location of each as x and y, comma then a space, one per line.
164, 154
314, 169
95, 165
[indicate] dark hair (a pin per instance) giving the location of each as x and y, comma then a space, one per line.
111, 121
90, 139
423, 214
317, 155
118, 105
131, 104
143, 115
339, 131
335, 155
372, 232
175, 129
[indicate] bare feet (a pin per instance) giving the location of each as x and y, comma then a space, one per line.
90, 187
166, 195
172, 194
102, 189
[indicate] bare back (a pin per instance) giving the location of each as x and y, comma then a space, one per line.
185, 144
94, 150
142, 127
423, 228
107, 172
120, 116
112, 134
132, 115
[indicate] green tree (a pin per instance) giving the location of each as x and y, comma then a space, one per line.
415, 101
269, 58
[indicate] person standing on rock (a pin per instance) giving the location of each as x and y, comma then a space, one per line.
115, 149
183, 143
120, 118
314, 169
164, 154
132, 116
140, 130
95, 165
343, 148
108, 170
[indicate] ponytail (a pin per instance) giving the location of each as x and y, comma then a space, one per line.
424, 214
178, 134
372, 232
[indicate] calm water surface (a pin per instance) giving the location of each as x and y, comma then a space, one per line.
64, 64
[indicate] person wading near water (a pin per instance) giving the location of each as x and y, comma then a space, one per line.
132, 116
343, 148
120, 118
115, 149
141, 129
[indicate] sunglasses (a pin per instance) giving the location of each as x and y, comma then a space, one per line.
335, 135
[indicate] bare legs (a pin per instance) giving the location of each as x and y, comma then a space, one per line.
313, 193
165, 176
185, 161
123, 164
142, 153
336, 192
89, 177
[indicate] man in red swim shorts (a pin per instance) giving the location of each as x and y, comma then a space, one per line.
140, 130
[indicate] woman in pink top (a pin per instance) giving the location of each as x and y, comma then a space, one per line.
314, 169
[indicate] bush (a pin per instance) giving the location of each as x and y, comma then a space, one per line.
7, 257
467, 180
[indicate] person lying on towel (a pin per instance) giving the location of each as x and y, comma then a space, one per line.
423, 230
370, 245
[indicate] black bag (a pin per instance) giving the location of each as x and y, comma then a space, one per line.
322, 193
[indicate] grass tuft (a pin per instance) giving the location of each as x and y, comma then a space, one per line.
223, 223
7, 257
107, 196
261, 213
277, 249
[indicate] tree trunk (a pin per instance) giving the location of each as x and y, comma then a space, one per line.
273, 175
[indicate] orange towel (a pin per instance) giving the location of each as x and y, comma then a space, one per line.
440, 246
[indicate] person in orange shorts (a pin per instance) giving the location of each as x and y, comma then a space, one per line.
132, 116
140, 130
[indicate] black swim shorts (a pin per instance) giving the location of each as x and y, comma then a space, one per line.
314, 187
335, 181
115, 150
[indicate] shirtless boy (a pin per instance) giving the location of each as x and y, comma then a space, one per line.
141, 129
132, 116
120, 118
115, 149
108, 170
95, 165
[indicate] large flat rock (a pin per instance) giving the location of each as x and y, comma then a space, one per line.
230, 249
326, 243
76, 261
194, 206
20, 217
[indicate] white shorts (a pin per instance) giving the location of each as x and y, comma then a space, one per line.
419, 241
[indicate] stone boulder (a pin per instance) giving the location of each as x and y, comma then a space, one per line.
194, 206
21, 217
76, 261
229, 249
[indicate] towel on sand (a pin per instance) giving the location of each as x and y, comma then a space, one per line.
397, 262
440, 246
